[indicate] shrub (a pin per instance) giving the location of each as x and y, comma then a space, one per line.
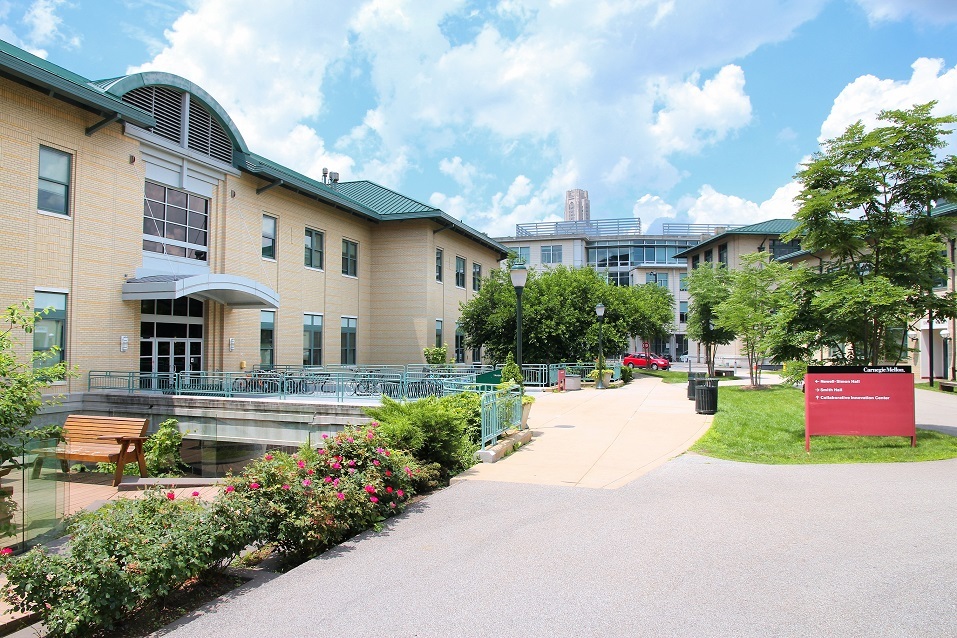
432, 430
793, 372
467, 406
511, 373
122, 556
627, 374
438, 355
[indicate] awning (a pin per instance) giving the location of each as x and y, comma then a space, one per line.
229, 290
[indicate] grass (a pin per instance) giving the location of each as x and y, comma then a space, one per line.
767, 426
668, 376
924, 386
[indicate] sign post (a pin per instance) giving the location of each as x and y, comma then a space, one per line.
859, 401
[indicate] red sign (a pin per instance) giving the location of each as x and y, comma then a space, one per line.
859, 401
645, 345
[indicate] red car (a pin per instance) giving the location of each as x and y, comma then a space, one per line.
646, 360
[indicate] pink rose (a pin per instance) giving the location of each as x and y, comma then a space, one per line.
195, 493
341, 496
370, 489
374, 499
268, 457
286, 487
376, 462
389, 489
307, 482
230, 488
370, 435
6, 551
325, 436
171, 495
310, 471
400, 493
301, 464
254, 486
328, 479
351, 440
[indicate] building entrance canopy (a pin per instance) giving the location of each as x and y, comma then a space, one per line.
229, 290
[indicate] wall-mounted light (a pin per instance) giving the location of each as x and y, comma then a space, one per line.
124, 343
232, 344
132, 159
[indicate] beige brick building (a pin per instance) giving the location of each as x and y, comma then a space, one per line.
134, 208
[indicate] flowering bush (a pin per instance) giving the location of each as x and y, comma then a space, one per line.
123, 555
314, 499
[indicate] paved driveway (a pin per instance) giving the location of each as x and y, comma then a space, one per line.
697, 547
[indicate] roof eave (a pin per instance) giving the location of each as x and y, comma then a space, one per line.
66, 90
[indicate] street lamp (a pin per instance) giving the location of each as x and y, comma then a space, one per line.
600, 311
519, 276
945, 335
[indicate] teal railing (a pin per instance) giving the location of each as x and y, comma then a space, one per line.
501, 410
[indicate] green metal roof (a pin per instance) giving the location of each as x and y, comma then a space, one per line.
381, 199
776, 227
17, 64
945, 208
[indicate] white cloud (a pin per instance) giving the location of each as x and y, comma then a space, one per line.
42, 25
651, 207
462, 172
866, 96
712, 207
932, 11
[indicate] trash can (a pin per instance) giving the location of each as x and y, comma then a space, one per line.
706, 396
692, 378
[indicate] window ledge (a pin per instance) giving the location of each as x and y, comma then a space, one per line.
313, 269
272, 259
350, 276
47, 213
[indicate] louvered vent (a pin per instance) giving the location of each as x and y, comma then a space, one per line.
206, 135
166, 105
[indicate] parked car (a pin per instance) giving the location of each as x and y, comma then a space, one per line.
684, 358
646, 360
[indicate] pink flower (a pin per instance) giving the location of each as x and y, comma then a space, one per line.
375, 462
341, 496
325, 436
6, 551
352, 463
389, 489
286, 487
171, 495
310, 471
301, 464
370, 435
370, 489
387, 452
400, 493
388, 472
352, 470
230, 488
336, 466
335, 482
307, 482
392, 504
374, 424
195, 493
379, 450
328, 479
321, 452
350, 440
407, 470
268, 457
374, 499
254, 486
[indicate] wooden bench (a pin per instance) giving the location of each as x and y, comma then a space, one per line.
947, 386
98, 439
724, 372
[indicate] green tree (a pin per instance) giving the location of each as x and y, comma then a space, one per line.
866, 208
754, 300
708, 286
559, 321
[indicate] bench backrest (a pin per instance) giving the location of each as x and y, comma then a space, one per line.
86, 428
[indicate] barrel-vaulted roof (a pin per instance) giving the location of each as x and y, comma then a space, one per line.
769, 228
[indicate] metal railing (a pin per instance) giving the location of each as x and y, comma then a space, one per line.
589, 228
501, 410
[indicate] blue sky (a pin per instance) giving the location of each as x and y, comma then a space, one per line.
675, 110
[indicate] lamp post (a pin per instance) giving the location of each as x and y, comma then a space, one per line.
600, 311
945, 335
519, 276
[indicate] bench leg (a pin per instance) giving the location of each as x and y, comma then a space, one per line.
141, 460
37, 466
120, 463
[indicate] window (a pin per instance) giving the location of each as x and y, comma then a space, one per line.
476, 277
660, 278
460, 272
49, 332
175, 222
683, 281
314, 248
438, 333
723, 254
312, 340
708, 256
694, 262
459, 345
269, 237
348, 340
551, 254
53, 186
523, 254
350, 258
683, 311
476, 355
267, 332
438, 265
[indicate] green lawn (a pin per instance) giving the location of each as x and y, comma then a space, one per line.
767, 426
668, 376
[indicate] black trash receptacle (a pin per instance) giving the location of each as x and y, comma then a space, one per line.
692, 380
706, 396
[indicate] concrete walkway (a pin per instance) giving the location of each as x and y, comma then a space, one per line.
698, 547
601, 439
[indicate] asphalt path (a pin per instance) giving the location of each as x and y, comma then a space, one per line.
697, 547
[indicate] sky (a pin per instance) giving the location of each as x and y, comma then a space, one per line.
683, 111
